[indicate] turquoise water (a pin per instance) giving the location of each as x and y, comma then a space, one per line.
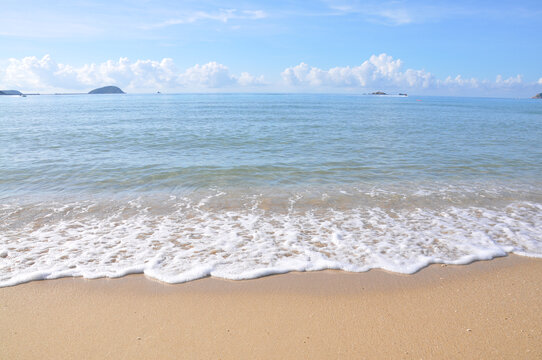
161, 184
169, 142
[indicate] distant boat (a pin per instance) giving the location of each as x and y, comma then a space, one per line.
158, 92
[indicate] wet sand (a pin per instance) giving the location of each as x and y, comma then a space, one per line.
488, 309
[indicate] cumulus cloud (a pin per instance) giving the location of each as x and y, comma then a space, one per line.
460, 81
208, 75
34, 74
249, 80
510, 81
383, 72
379, 71
513, 84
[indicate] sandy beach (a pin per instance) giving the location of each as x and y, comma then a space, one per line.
270, 180
488, 309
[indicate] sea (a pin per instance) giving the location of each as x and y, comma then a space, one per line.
238, 186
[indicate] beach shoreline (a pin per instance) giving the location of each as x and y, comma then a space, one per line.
488, 309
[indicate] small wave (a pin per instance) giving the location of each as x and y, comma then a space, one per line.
232, 236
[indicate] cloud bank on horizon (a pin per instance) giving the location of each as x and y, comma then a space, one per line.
418, 46
379, 72
45, 74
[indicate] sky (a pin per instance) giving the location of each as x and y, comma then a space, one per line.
458, 48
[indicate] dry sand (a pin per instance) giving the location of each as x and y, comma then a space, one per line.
489, 310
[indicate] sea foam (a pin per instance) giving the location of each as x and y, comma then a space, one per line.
181, 238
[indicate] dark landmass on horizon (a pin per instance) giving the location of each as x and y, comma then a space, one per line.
107, 90
117, 90
10, 92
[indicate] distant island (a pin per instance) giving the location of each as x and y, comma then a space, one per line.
10, 92
107, 90
537, 96
383, 93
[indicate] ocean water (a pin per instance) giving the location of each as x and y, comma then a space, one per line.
238, 186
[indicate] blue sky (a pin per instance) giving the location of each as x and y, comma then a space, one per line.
482, 48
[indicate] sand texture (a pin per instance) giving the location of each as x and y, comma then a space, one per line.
485, 310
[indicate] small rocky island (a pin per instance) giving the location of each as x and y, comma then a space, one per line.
107, 90
537, 96
10, 92
383, 93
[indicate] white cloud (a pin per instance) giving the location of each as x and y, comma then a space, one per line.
460, 81
394, 16
383, 72
34, 74
114, 19
248, 80
510, 81
223, 15
209, 75
215, 75
379, 71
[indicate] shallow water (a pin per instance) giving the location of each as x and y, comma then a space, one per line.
240, 186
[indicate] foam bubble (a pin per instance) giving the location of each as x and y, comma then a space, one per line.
182, 238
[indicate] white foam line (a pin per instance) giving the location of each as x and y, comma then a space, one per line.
184, 242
